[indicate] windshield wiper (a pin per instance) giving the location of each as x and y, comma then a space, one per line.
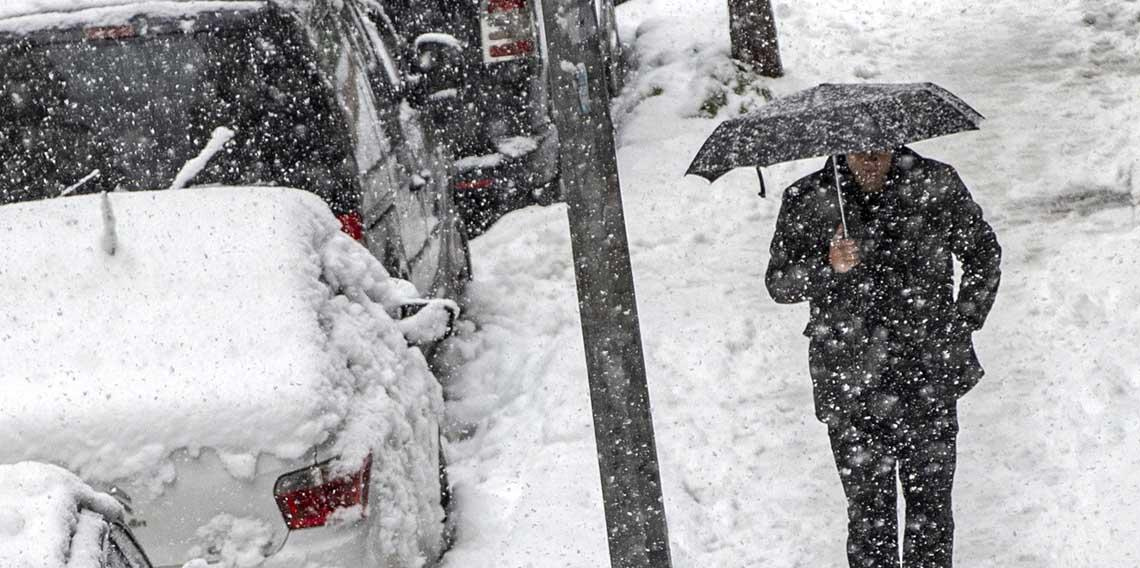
80, 183
218, 140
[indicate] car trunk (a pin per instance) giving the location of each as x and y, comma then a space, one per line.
219, 508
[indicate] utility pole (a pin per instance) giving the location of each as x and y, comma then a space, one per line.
752, 27
623, 425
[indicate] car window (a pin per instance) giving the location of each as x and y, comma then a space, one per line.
394, 161
382, 46
137, 109
369, 126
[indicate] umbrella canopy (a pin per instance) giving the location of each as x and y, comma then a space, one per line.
834, 119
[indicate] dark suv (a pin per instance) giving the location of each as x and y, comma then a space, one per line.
485, 75
133, 94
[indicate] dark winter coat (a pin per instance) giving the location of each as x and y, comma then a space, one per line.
888, 337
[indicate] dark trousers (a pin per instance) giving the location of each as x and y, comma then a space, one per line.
921, 450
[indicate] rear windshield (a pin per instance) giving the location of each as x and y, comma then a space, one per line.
137, 108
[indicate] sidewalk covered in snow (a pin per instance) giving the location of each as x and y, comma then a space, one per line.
1047, 449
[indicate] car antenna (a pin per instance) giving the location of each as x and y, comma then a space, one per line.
110, 236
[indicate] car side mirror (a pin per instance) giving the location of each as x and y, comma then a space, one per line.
420, 180
439, 71
427, 321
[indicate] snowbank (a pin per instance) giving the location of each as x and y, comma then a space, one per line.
526, 473
40, 518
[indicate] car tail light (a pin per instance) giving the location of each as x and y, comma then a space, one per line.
474, 184
110, 32
520, 47
307, 497
505, 5
508, 30
353, 225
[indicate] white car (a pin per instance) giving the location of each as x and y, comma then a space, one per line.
230, 364
49, 518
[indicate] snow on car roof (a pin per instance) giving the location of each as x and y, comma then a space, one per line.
30, 16
19, 8
205, 329
42, 516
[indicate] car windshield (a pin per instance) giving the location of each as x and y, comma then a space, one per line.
137, 108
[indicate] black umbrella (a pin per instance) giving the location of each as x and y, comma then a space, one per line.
833, 119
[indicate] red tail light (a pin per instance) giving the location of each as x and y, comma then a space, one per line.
308, 496
353, 225
474, 184
520, 47
110, 32
505, 5
508, 30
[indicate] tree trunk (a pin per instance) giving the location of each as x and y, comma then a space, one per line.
753, 29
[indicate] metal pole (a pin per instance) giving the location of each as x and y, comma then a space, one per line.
839, 194
619, 396
752, 27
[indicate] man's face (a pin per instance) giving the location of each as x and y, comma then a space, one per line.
870, 168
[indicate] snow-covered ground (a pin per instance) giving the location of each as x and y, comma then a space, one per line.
1048, 450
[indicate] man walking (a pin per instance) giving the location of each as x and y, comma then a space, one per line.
890, 346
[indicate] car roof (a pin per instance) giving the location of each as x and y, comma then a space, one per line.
21, 8
25, 17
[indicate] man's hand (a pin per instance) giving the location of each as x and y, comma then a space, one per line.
844, 253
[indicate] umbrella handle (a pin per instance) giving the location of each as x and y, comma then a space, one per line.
839, 194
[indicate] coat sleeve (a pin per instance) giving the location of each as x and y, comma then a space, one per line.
798, 270
975, 245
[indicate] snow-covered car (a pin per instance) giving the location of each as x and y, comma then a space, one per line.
49, 518
250, 393
487, 60
103, 95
